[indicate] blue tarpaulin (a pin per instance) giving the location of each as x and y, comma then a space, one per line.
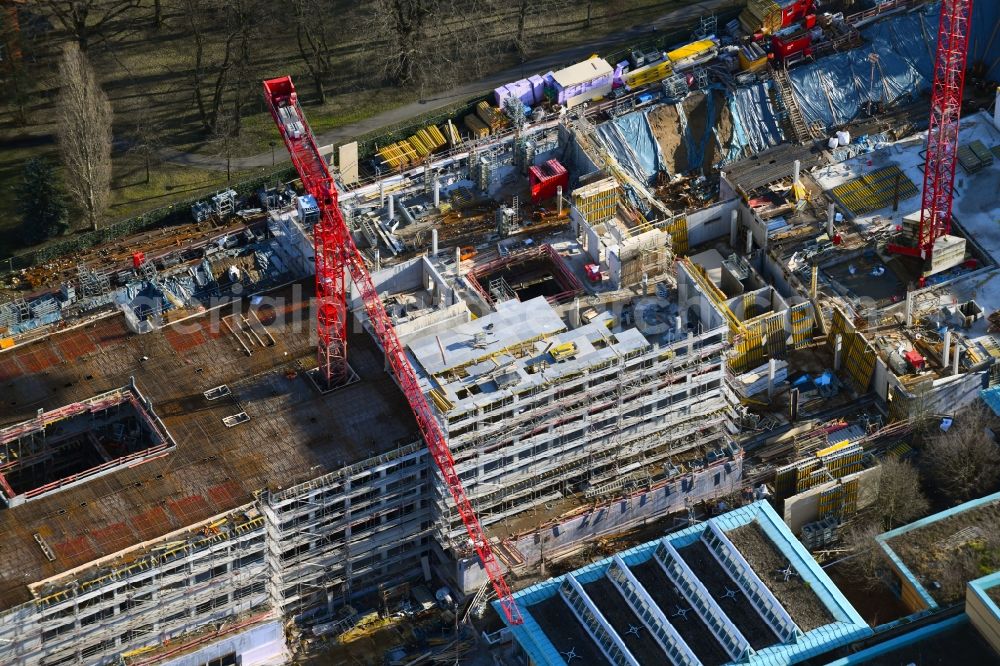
755, 124
630, 139
895, 63
991, 397
833, 89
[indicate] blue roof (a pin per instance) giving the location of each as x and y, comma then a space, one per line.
847, 625
991, 397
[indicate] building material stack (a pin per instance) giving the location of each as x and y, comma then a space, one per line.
477, 128
410, 151
491, 116
597, 201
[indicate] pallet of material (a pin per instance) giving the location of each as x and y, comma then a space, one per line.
982, 152
476, 127
969, 160
490, 115
399, 154
451, 134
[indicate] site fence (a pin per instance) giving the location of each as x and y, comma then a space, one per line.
175, 213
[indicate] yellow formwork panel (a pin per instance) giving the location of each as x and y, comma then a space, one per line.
874, 190
678, 230
840, 501
839, 446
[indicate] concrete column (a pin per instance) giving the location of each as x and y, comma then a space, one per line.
909, 309
749, 248
771, 368
946, 350
958, 357
378, 260
814, 281
830, 211
645, 284
559, 199
437, 192
734, 227
392, 207
796, 167
574, 314
458, 261
690, 343
838, 351
434, 242
381, 193
996, 111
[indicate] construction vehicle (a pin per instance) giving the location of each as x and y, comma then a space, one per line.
335, 255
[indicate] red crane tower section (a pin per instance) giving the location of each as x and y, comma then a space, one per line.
335, 251
942, 134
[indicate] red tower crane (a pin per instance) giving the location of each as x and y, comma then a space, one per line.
335, 254
942, 134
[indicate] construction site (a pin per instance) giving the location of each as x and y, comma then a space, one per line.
602, 370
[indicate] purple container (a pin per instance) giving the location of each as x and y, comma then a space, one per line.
537, 88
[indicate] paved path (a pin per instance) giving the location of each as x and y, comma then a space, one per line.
668, 21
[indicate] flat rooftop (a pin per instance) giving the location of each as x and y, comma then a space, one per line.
293, 433
938, 555
521, 345
975, 194
738, 588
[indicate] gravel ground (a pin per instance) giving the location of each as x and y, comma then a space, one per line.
699, 637
766, 560
565, 631
938, 552
738, 608
619, 615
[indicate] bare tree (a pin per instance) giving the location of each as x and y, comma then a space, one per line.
222, 34
866, 563
86, 20
84, 130
145, 133
422, 41
528, 10
406, 27
964, 462
311, 33
898, 497
227, 142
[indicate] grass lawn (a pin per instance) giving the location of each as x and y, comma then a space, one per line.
130, 193
146, 73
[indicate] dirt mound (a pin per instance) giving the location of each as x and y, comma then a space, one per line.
666, 126
723, 130
667, 129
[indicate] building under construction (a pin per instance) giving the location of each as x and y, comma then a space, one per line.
661, 291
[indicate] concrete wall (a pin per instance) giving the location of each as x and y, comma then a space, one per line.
263, 645
620, 515
804, 507
710, 223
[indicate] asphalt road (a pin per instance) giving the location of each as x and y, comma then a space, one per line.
669, 20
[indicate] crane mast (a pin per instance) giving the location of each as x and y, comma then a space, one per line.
942, 132
335, 254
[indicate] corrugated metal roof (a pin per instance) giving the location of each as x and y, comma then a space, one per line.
582, 72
